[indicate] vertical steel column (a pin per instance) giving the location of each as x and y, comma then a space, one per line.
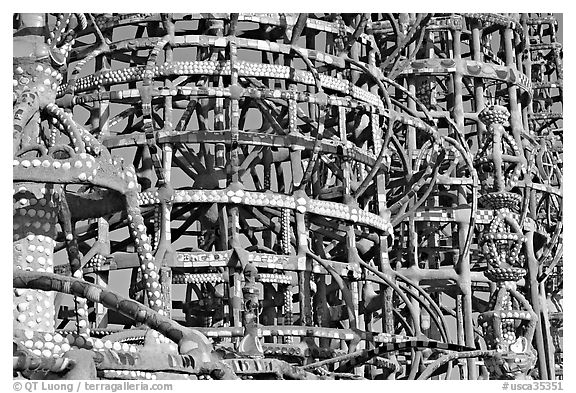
101, 112
236, 295
351, 251
463, 267
303, 276
386, 293
517, 130
476, 48
166, 230
101, 278
536, 302
514, 105
527, 70
166, 234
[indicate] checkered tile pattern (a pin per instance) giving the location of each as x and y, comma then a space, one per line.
484, 216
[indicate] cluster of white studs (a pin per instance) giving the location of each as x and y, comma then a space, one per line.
34, 309
147, 266
187, 278
128, 374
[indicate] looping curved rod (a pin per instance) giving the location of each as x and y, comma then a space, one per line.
419, 104
427, 373
188, 339
443, 326
347, 295
357, 32
420, 24
398, 290
375, 168
321, 118
434, 177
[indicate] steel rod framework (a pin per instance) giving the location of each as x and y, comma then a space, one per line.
299, 196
